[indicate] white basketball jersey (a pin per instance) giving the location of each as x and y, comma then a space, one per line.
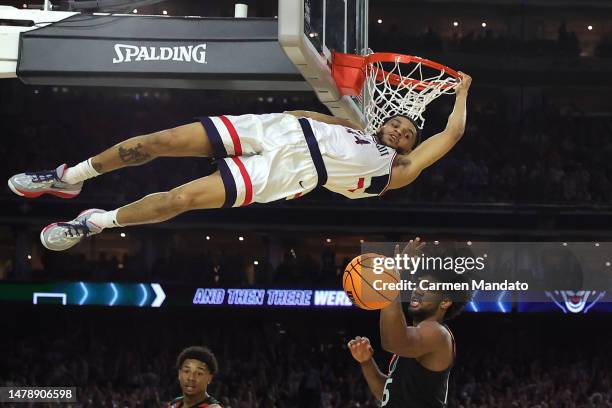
357, 167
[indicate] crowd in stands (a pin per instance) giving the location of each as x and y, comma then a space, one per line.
553, 157
212, 267
128, 361
484, 41
542, 378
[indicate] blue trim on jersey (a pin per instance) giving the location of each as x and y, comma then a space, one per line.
228, 182
214, 137
315, 152
378, 184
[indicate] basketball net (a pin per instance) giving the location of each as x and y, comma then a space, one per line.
397, 88
387, 84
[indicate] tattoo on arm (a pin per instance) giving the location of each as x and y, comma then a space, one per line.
133, 155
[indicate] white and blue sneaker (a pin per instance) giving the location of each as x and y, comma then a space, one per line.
60, 236
35, 184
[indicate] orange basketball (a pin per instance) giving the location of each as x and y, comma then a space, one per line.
366, 288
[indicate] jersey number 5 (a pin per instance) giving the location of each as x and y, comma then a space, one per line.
385, 397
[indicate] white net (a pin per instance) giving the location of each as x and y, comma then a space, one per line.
393, 88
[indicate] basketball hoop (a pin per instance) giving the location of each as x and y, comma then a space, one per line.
387, 84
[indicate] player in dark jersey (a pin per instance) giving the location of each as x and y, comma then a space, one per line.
196, 367
423, 353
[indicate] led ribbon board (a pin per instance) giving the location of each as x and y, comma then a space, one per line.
85, 293
270, 297
113, 294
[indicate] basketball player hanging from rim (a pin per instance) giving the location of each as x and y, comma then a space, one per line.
423, 352
261, 158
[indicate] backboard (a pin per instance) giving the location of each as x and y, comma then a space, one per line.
308, 31
144, 51
336, 25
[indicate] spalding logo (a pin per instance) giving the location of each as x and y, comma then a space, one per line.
575, 302
184, 53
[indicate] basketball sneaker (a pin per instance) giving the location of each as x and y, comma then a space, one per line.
60, 236
35, 184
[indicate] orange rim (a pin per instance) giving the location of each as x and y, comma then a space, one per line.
395, 79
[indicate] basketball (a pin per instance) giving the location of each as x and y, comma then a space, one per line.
365, 287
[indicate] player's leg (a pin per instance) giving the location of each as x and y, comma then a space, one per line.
218, 136
188, 140
66, 182
206, 192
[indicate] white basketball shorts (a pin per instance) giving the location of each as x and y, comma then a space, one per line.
264, 158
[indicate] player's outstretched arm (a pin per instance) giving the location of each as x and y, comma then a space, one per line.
412, 342
321, 117
435, 147
395, 335
362, 351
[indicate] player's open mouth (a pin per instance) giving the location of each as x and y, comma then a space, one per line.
415, 301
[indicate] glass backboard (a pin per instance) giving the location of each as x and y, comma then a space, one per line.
339, 25
309, 30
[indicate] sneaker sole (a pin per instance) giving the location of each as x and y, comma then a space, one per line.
28, 194
42, 240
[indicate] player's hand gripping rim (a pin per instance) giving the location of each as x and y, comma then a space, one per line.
465, 81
